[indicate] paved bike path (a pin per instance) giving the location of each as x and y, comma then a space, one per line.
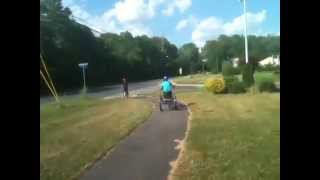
147, 152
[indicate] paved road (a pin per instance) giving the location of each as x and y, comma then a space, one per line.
145, 154
114, 90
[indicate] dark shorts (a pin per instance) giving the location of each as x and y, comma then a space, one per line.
125, 87
167, 94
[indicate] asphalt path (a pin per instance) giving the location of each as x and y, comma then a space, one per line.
146, 153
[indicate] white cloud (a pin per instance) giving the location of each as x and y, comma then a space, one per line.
212, 27
184, 23
138, 29
236, 25
206, 29
77, 9
67, 2
125, 15
105, 23
169, 11
132, 11
84, 17
79, 12
181, 5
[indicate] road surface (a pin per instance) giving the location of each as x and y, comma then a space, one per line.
110, 91
116, 90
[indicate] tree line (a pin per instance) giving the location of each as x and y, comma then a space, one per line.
225, 48
64, 43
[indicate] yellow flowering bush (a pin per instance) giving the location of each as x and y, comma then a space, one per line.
215, 85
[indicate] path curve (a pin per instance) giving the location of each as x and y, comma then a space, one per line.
145, 154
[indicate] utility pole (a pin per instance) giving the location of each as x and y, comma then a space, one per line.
245, 29
83, 66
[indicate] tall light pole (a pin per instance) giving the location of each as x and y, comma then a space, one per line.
245, 28
83, 66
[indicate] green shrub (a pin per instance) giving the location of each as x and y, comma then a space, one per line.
215, 85
237, 87
227, 69
236, 70
230, 79
248, 74
233, 85
267, 85
277, 75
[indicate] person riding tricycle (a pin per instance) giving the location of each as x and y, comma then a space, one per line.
166, 95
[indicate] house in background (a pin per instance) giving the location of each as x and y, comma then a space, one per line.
235, 62
272, 60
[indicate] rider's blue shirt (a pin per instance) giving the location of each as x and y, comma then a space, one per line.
166, 86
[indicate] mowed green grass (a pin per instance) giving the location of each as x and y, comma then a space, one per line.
74, 136
231, 137
260, 76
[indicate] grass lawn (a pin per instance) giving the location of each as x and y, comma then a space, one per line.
260, 76
73, 137
231, 137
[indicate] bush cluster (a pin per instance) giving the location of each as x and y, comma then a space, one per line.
215, 85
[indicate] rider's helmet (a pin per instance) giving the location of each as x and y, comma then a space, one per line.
165, 78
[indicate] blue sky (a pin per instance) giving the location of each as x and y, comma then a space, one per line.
180, 21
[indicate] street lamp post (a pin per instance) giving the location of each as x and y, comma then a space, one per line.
83, 66
245, 28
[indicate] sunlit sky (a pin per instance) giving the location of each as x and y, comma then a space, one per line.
180, 21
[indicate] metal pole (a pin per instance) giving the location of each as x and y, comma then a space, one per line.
84, 78
245, 29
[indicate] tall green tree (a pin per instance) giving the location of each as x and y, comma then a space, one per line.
228, 47
189, 58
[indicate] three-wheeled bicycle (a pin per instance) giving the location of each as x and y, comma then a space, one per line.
169, 100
